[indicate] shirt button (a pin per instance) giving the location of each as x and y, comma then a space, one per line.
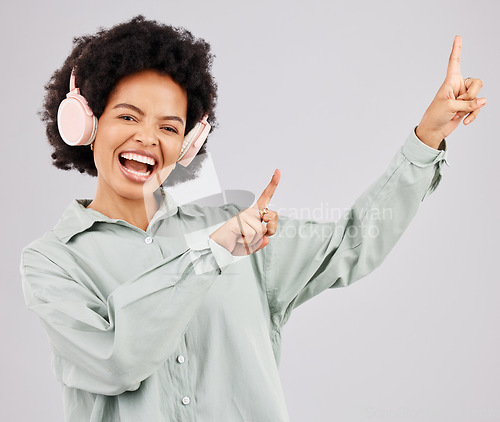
148, 240
186, 400
180, 359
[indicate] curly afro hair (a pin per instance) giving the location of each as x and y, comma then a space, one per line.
102, 59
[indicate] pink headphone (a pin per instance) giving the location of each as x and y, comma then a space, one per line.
78, 125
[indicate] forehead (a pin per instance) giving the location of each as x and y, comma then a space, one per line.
150, 89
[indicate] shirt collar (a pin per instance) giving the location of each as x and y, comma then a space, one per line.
77, 218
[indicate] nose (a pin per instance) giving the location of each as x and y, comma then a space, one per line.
146, 135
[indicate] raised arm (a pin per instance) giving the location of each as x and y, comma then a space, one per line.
307, 257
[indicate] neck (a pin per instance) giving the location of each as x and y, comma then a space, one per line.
138, 212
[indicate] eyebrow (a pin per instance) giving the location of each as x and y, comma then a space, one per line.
139, 111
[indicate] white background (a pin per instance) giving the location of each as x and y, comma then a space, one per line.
326, 91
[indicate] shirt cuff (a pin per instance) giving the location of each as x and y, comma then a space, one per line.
222, 256
423, 155
206, 254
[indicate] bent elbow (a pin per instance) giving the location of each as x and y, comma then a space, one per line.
108, 381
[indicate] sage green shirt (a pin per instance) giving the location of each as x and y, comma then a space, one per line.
161, 325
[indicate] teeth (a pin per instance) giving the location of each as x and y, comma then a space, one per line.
138, 157
137, 173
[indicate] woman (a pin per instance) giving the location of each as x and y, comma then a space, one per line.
149, 314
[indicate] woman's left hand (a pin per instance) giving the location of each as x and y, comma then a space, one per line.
455, 99
249, 230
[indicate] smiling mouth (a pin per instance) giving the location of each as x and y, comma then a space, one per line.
137, 165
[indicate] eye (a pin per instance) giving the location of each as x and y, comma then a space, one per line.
170, 129
127, 118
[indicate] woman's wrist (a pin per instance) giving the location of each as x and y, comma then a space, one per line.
430, 139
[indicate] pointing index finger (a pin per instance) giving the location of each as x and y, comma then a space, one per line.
268, 193
454, 62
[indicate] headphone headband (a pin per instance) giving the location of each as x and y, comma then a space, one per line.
72, 81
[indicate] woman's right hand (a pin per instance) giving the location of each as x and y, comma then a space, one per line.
454, 100
246, 233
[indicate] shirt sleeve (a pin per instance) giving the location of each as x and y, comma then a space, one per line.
108, 346
199, 242
306, 257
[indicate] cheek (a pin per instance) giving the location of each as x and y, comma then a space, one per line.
100, 158
171, 151
110, 135
106, 142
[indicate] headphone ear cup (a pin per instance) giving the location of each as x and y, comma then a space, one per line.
76, 123
193, 142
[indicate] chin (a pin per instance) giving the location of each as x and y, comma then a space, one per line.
135, 191
142, 192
